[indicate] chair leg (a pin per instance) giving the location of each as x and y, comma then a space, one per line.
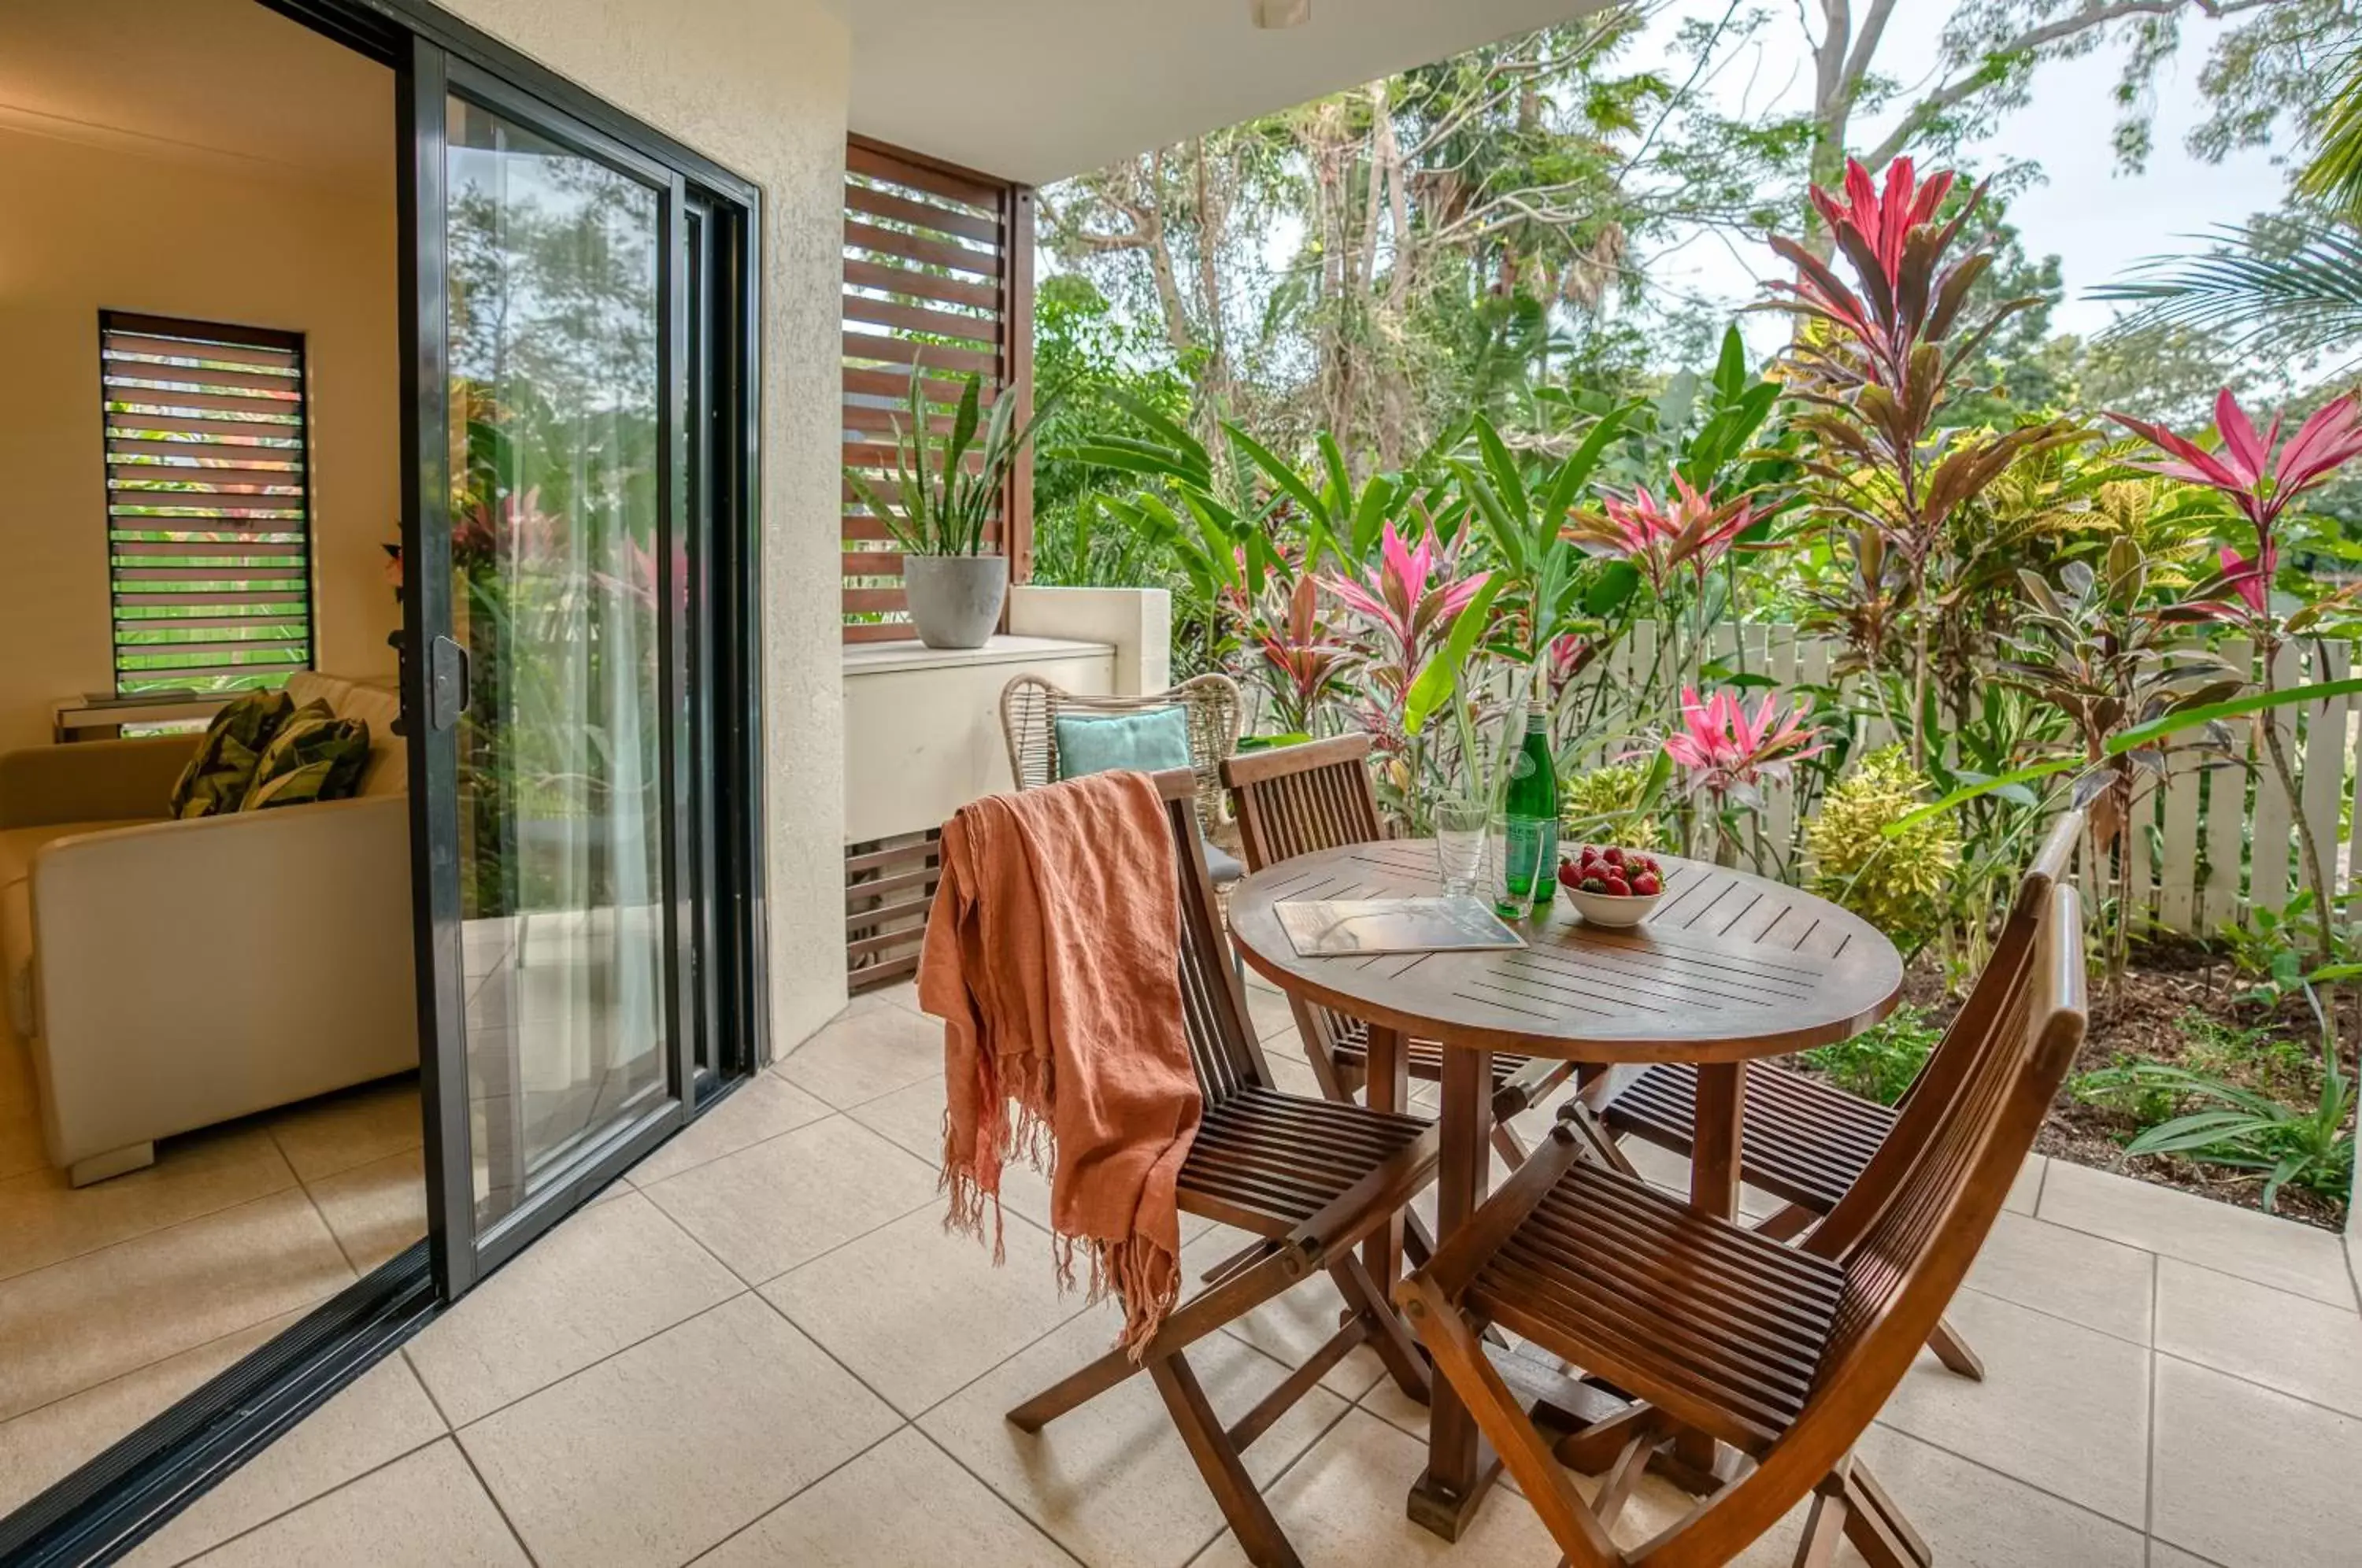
1877, 1527
1250, 1516
1954, 1351
1824, 1527
1387, 1336
1201, 1315
1595, 1448
1460, 1356
1509, 1145
1598, 1143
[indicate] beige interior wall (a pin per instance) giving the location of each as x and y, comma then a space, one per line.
759, 87
188, 234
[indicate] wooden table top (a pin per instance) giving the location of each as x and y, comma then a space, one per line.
1728, 966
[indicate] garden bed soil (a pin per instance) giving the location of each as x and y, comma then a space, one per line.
2144, 1019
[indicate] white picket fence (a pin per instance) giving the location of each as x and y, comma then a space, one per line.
2209, 847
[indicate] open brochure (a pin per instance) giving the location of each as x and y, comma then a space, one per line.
1328, 928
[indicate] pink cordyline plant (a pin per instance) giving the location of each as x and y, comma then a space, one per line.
1660, 537
1571, 654
2262, 478
514, 530
2262, 483
1303, 662
1875, 367
1410, 612
1728, 750
2258, 480
2251, 580
1876, 229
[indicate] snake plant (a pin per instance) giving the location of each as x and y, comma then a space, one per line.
936, 503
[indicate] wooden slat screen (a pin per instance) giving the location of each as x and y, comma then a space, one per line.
939, 273
890, 885
208, 502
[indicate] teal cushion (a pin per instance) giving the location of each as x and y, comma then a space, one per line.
1150, 741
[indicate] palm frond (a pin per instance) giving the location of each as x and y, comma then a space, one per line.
2299, 284
2334, 177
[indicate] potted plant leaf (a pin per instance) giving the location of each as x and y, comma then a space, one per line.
937, 507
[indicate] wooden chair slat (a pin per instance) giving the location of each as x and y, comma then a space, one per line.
1708, 1337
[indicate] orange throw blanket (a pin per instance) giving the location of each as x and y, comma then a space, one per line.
1053, 958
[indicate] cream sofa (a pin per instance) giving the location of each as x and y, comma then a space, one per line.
170, 974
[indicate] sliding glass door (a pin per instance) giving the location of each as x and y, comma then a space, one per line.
555, 521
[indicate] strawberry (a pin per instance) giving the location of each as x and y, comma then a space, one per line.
1569, 873
1592, 884
1619, 888
1647, 885
1612, 855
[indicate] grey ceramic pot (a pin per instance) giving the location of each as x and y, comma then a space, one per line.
955, 600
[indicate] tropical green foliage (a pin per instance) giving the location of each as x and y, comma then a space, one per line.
2309, 1145
1381, 388
1881, 1062
939, 502
1610, 804
1901, 882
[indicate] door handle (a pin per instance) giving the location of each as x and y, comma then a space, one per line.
446, 683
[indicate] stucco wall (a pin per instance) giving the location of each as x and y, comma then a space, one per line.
759, 87
93, 227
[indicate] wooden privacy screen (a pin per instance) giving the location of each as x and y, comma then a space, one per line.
890, 885
938, 274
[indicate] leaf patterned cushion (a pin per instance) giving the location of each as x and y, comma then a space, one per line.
218, 777
315, 756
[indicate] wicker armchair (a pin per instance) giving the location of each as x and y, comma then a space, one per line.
1030, 707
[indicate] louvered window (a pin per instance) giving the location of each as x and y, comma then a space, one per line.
208, 503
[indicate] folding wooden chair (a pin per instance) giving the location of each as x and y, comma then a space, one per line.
1291, 801
1809, 1142
1786, 1353
1313, 1177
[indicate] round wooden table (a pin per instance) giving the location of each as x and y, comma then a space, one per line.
1727, 967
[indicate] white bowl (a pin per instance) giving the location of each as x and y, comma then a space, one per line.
1606, 909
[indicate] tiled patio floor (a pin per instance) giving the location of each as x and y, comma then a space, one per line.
762, 1349
118, 1299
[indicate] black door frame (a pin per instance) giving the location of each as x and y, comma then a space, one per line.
464, 1247
720, 902
132, 1489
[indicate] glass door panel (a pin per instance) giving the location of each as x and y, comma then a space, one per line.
560, 600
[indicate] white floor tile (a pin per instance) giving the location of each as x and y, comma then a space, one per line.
663, 1451
762, 1211
383, 1415
612, 1275
1111, 1480
424, 1511
902, 1502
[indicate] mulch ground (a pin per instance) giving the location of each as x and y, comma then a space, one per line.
2144, 1017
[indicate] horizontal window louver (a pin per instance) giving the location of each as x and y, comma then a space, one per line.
208, 503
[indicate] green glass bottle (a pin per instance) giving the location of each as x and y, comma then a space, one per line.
1530, 810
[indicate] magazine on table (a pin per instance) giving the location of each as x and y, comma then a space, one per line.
1331, 928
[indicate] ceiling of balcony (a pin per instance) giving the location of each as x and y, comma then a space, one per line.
224, 82
1036, 89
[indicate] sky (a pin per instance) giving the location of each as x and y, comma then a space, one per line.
2097, 219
